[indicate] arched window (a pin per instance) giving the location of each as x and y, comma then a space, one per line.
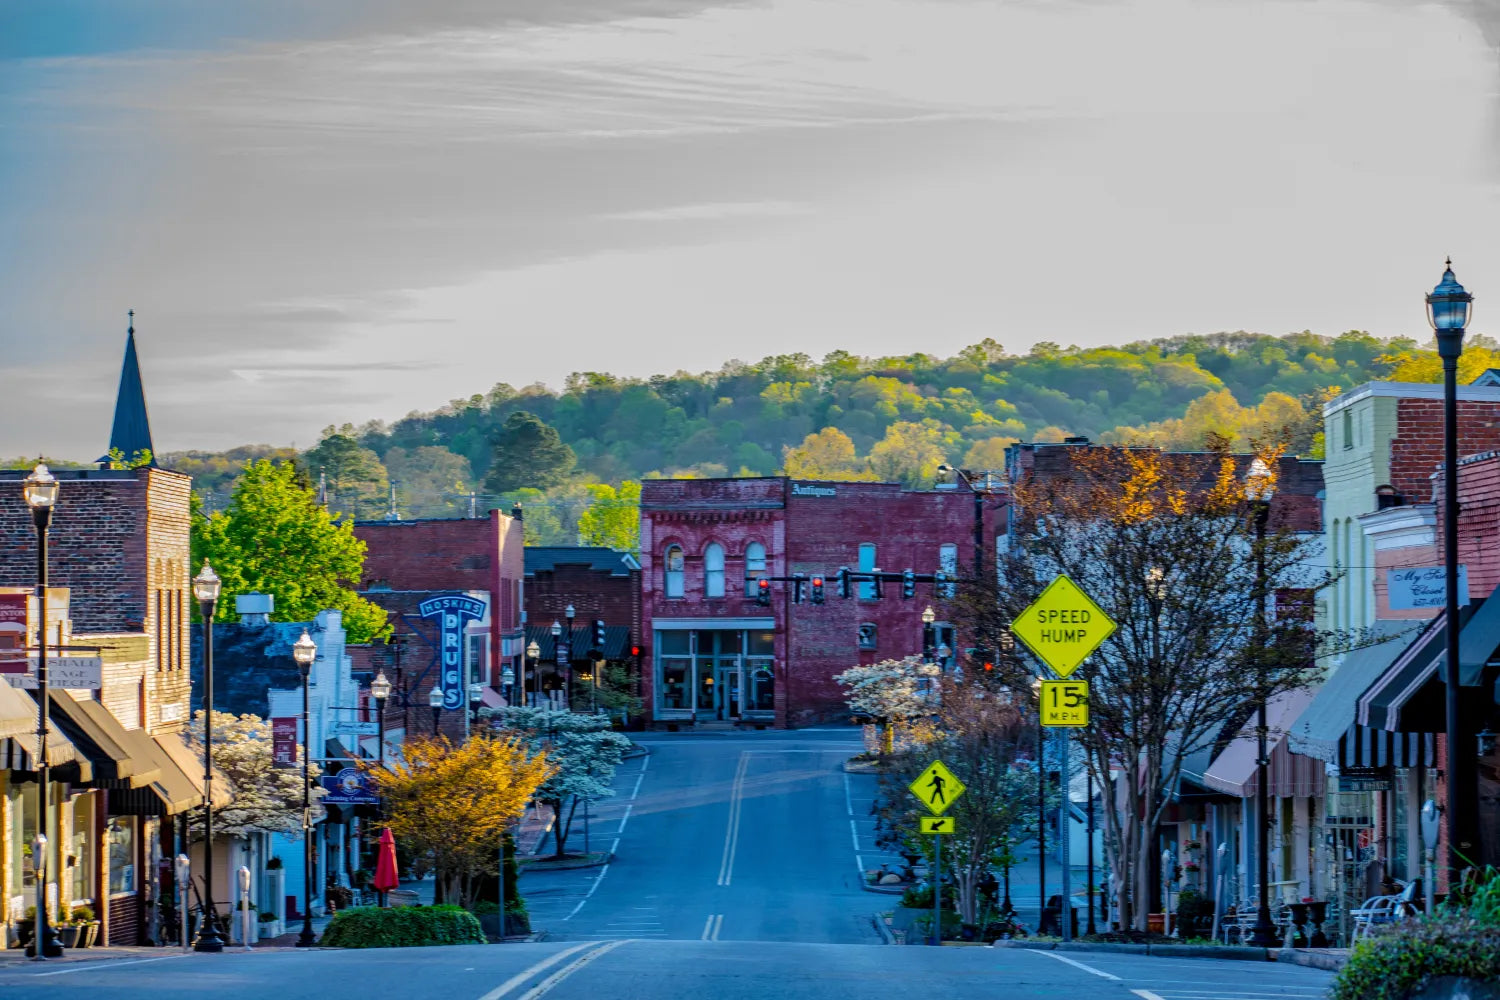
673, 575
713, 570
755, 566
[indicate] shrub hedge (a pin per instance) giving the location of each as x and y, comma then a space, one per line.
1388, 967
402, 927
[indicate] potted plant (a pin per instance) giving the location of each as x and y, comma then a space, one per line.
67, 931
83, 918
270, 927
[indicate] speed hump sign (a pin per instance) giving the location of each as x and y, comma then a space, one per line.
1065, 703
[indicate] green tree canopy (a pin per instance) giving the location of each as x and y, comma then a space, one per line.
527, 452
356, 478
274, 538
613, 518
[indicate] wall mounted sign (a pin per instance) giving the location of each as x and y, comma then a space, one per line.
351, 786
12, 633
284, 741
1422, 587
452, 613
801, 490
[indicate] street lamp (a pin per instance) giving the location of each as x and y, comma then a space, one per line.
304, 651
507, 680
1260, 485
380, 690
476, 692
982, 489
1448, 307
435, 702
568, 659
534, 654
929, 635
206, 589
40, 491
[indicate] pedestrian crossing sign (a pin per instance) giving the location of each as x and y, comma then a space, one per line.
937, 824
937, 788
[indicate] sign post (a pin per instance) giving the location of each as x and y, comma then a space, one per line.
937, 788
1063, 626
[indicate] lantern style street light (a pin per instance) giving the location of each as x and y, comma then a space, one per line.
435, 702
929, 635
476, 692
1448, 309
305, 651
206, 587
1260, 485
534, 655
40, 491
380, 690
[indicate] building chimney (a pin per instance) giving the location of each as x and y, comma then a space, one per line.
255, 609
515, 512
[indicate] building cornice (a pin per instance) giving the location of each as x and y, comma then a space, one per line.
1401, 527
1408, 390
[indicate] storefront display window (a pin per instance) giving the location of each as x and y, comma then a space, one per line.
80, 855
120, 835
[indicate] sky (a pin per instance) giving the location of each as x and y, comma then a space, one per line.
354, 209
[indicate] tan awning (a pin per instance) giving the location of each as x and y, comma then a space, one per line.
18, 712
186, 762
115, 754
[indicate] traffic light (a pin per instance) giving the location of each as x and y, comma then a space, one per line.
817, 590
599, 634
763, 593
798, 580
943, 586
843, 577
877, 585
908, 585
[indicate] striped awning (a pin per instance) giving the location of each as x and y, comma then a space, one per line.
1361, 747
1236, 770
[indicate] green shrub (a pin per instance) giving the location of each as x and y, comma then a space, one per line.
402, 927
919, 897
1388, 966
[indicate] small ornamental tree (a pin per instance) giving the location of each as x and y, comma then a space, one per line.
894, 692
455, 801
582, 750
266, 798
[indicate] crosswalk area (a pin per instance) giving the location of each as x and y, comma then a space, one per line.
1249, 992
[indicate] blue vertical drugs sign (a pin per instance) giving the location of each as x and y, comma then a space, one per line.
453, 612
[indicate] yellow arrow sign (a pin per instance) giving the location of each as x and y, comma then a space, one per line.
937, 824
937, 788
1065, 703
1063, 626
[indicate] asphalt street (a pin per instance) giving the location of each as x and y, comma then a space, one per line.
737, 875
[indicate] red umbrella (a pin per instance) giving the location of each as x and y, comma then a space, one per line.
386, 878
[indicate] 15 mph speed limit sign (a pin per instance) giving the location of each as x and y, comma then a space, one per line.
1065, 703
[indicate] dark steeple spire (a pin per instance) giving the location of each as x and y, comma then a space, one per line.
132, 430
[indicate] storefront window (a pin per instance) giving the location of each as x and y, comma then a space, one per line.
120, 835
705, 683
80, 855
673, 643
760, 643
760, 678
674, 674
22, 830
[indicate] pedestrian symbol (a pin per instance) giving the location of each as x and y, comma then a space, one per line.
937, 788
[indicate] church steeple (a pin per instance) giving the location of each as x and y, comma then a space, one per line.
132, 429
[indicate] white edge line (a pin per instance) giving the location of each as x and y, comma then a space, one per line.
645, 763
533, 970
96, 966
1146, 995
859, 864
546, 985
625, 818
708, 926
848, 798
854, 833
718, 925
637, 789
1079, 965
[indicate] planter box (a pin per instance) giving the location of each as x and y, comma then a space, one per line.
271, 929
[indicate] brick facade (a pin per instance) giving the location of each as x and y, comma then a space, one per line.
407, 562
810, 528
1417, 448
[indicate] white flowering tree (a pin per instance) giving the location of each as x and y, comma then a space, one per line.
892, 691
266, 798
582, 748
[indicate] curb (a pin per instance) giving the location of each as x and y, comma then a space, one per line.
548, 865
636, 750
880, 928
1328, 961
1223, 952
863, 767
884, 890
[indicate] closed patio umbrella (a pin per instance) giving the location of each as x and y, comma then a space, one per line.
386, 876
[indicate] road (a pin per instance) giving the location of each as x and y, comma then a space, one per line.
736, 876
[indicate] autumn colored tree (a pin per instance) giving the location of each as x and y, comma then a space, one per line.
275, 538
1423, 364
910, 453
1217, 419
828, 454
613, 517
1165, 545
265, 798
988, 454
455, 802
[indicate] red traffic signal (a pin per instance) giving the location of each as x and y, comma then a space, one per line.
763, 593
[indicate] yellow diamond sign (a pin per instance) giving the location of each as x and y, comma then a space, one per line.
1063, 626
937, 787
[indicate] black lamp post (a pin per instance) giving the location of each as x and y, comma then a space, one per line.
1259, 486
40, 491
435, 702
380, 690
206, 590
304, 651
1448, 308
567, 658
507, 681
980, 490
533, 654
929, 634
476, 693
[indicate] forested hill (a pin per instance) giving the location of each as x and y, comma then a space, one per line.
845, 416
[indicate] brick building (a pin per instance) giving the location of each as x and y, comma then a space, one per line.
410, 563
716, 656
599, 584
118, 561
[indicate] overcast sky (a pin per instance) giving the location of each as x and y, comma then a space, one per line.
333, 211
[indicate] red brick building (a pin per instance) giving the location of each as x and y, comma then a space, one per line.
599, 584
716, 656
409, 562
